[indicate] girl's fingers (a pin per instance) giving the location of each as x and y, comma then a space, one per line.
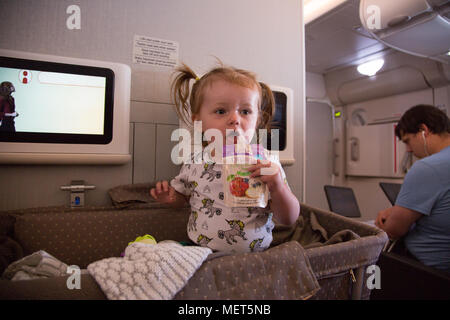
158, 187
255, 173
263, 169
172, 194
255, 166
161, 186
259, 165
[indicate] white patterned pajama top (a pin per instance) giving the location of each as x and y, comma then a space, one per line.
214, 225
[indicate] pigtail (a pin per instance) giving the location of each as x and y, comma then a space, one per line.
267, 107
181, 91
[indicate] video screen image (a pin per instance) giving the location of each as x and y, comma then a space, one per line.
51, 102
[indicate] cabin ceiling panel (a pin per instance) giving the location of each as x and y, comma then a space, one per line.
334, 40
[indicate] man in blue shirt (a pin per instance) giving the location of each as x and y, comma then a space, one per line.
422, 210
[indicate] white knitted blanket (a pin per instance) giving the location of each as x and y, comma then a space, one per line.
148, 271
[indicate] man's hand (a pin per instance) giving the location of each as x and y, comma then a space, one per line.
396, 221
383, 215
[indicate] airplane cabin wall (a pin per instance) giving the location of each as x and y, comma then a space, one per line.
318, 140
386, 96
369, 195
404, 81
263, 36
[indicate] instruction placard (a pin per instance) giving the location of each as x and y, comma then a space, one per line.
155, 52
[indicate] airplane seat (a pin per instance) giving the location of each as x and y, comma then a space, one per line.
405, 278
402, 275
342, 200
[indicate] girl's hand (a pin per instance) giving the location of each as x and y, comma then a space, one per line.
284, 204
268, 172
163, 192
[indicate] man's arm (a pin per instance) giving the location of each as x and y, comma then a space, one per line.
396, 221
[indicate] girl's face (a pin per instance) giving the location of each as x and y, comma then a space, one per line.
229, 106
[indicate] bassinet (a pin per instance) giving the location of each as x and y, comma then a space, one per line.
338, 251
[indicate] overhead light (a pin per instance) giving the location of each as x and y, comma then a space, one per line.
448, 52
370, 68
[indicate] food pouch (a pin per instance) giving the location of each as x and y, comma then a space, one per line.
240, 190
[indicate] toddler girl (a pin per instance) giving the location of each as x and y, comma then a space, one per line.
228, 100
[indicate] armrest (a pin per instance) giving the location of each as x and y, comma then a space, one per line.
405, 278
444, 276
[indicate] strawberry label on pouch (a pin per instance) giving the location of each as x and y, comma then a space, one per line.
240, 189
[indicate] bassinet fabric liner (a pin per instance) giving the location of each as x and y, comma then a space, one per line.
320, 243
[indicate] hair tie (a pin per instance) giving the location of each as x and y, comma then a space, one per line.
197, 78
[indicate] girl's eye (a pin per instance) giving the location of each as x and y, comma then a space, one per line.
246, 112
220, 111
